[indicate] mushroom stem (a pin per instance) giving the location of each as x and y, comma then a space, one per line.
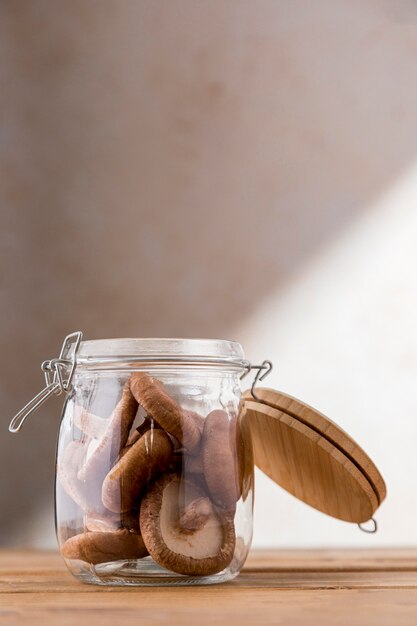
205, 547
195, 515
102, 547
141, 464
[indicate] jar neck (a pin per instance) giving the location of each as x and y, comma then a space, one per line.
137, 354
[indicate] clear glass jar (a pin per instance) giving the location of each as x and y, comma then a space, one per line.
154, 479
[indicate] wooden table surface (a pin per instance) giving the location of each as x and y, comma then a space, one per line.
292, 588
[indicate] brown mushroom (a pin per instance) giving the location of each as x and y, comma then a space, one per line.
221, 459
189, 467
87, 497
193, 464
152, 395
102, 547
143, 462
114, 439
68, 529
148, 424
133, 438
198, 419
103, 522
195, 515
183, 531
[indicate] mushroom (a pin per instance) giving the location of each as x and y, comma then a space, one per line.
148, 424
113, 440
68, 529
183, 531
112, 521
193, 465
102, 547
222, 459
195, 515
90, 424
67, 472
87, 497
152, 395
198, 419
143, 462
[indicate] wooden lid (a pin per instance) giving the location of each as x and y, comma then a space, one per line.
311, 457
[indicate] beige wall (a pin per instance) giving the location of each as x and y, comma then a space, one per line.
193, 168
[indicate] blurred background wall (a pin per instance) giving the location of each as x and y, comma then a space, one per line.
227, 168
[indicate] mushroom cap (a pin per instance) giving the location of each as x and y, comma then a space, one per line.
198, 419
114, 439
104, 522
193, 464
151, 394
102, 547
148, 423
143, 462
194, 549
222, 459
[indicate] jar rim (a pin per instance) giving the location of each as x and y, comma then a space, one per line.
99, 352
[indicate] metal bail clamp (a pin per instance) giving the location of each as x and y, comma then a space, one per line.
58, 377
263, 371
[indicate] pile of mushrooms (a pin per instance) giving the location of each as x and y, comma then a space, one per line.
167, 488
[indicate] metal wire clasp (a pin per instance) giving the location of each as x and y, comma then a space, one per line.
372, 529
263, 371
58, 377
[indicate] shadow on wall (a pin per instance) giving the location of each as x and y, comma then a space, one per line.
167, 165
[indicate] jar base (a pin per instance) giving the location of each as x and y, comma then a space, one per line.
141, 573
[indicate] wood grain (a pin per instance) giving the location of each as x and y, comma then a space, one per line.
326, 427
307, 465
292, 588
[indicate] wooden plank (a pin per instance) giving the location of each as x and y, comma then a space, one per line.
270, 568
61, 583
295, 588
404, 559
207, 606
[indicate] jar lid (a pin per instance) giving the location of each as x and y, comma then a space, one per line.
311, 457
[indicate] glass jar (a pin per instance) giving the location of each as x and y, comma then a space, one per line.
154, 481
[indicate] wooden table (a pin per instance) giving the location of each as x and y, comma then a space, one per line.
292, 588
